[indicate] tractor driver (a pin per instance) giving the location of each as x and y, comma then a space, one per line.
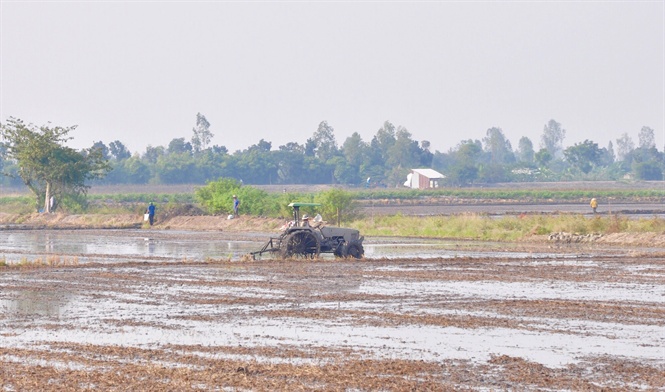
305, 220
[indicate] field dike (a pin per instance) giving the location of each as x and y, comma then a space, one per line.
267, 225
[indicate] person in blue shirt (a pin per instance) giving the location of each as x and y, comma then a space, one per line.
151, 213
236, 204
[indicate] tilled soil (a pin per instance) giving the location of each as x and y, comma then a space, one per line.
583, 320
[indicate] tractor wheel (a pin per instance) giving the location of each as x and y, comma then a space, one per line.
301, 244
355, 250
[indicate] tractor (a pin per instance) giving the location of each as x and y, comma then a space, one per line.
305, 240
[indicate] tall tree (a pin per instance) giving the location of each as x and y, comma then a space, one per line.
201, 133
552, 139
426, 156
464, 169
324, 140
543, 157
354, 149
525, 152
381, 143
119, 151
647, 138
606, 155
498, 147
103, 149
625, 146
153, 153
290, 159
46, 166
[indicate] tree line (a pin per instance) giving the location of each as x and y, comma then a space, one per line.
385, 160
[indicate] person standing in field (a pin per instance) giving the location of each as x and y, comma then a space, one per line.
594, 204
151, 213
236, 205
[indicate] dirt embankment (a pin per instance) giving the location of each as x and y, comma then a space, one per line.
128, 221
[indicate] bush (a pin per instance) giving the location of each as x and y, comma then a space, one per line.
337, 204
217, 198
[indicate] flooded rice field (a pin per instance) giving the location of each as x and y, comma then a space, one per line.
164, 310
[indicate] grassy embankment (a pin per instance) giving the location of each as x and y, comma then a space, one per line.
507, 228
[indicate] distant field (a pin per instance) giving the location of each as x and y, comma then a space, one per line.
300, 188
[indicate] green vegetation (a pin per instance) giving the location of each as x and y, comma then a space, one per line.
509, 228
382, 161
47, 167
216, 198
338, 205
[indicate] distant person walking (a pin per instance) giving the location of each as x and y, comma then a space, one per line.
151, 213
594, 204
236, 205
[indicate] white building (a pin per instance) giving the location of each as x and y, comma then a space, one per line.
424, 179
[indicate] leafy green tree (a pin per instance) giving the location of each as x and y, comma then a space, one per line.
607, 158
256, 164
176, 168
543, 158
210, 165
462, 174
404, 152
217, 198
337, 204
355, 149
153, 153
3, 156
403, 155
466, 160
525, 152
583, 156
381, 143
119, 151
493, 173
426, 155
46, 166
498, 147
324, 139
552, 138
201, 134
136, 171
290, 159
469, 151
345, 173
103, 149
179, 146
648, 171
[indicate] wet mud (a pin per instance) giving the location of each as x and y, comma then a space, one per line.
107, 312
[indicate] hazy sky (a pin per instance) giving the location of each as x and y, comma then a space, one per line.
139, 72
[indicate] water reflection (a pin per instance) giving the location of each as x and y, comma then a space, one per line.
35, 303
176, 246
88, 246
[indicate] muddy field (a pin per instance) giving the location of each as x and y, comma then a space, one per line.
182, 310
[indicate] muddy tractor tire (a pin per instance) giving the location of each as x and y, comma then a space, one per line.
301, 244
354, 250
